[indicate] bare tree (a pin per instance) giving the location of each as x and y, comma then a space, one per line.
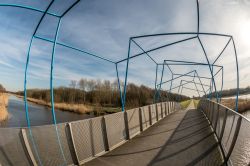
73, 84
83, 83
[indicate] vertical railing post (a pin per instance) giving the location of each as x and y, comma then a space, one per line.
140, 119
126, 125
236, 133
217, 117
104, 134
28, 148
156, 110
165, 108
161, 111
150, 115
223, 125
72, 145
212, 117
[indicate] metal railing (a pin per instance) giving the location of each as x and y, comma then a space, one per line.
80, 141
232, 131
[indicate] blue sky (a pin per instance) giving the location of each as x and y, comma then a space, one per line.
103, 27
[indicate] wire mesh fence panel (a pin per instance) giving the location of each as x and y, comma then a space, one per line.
215, 114
115, 129
229, 130
133, 122
145, 117
221, 116
12, 148
211, 111
88, 138
153, 113
49, 144
241, 153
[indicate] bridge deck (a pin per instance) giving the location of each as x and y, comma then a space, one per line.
182, 138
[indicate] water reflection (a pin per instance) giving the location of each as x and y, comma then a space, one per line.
39, 115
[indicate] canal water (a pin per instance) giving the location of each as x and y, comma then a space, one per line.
247, 96
39, 115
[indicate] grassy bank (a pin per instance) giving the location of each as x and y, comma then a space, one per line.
196, 102
3, 106
243, 104
185, 104
76, 108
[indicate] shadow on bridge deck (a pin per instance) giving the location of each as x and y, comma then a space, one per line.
182, 138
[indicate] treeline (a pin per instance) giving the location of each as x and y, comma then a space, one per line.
2, 88
232, 92
101, 93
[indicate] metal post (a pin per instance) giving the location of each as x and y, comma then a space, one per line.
156, 84
156, 110
126, 78
72, 146
236, 133
212, 117
140, 119
223, 125
126, 125
161, 111
217, 117
119, 86
28, 148
104, 134
165, 103
150, 115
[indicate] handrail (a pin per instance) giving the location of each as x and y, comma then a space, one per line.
231, 136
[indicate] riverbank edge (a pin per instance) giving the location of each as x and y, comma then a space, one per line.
4, 98
74, 108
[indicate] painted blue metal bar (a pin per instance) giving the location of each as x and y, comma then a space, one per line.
144, 51
157, 48
197, 83
25, 83
181, 33
171, 84
181, 84
161, 81
156, 83
119, 86
222, 51
198, 16
197, 89
168, 67
238, 77
192, 89
76, 2
192, 76
26, 103
29, 8
178, 86
52, 89
126, 76
210, 68
188, 62
74, 48
176, 77
201, 82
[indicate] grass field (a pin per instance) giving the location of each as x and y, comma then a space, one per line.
196, 102
185, 104
4, 98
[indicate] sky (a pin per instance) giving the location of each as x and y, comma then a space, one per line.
103, 27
